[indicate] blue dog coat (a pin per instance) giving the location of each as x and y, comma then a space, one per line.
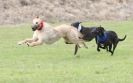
102, 38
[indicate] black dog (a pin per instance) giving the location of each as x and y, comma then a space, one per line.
87, 32
107, 39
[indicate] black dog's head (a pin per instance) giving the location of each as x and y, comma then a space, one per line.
76, 24
99, 30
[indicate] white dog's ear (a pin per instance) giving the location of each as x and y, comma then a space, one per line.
37, 16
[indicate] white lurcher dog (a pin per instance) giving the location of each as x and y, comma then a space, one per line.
44, 33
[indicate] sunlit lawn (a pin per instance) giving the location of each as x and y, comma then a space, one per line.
56, 63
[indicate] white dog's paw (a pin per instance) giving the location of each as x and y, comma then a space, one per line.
20, 43
29, 44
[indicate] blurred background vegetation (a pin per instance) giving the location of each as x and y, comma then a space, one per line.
23, 11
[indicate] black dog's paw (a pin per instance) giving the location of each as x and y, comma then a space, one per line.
98, 50
111, 52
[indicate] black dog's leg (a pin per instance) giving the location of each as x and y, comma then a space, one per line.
96, 40
98, 45
103, 47
115, 45
110, 49
76, 49
107, 48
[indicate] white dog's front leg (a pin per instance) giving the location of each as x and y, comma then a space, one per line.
25, 41
39, 42
29, 40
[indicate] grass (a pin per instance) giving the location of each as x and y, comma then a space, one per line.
56, 64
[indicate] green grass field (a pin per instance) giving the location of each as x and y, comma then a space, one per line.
56, 64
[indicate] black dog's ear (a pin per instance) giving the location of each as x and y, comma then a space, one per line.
76, 24
80, 22
102, 29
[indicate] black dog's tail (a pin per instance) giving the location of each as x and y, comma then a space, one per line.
122, 38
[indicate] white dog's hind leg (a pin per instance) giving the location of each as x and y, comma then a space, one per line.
81, 43
85, 45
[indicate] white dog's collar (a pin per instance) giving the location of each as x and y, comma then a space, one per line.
79, 27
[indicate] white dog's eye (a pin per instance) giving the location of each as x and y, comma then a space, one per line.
36, 22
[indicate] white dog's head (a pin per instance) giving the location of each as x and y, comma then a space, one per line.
37, 24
